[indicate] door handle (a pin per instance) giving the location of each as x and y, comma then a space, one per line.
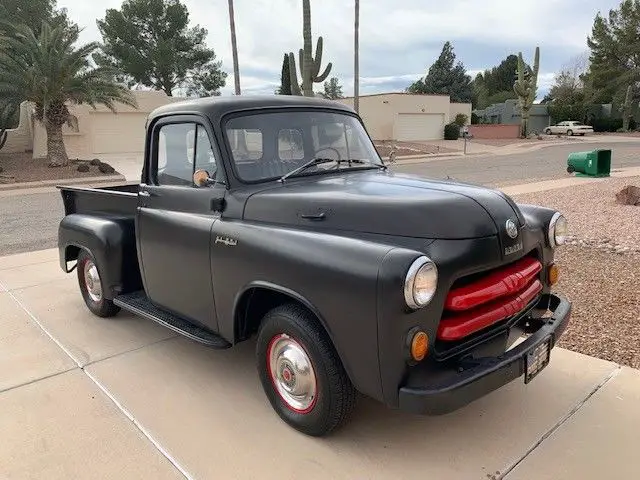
144, 193
313, 216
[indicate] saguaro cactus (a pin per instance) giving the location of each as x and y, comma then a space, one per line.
309, 65
526, 87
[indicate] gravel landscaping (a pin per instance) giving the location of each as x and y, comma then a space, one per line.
404, 149
599, 269
21, 167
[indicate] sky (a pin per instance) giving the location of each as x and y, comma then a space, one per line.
399, 39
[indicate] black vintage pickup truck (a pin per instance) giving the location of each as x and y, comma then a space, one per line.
275, 217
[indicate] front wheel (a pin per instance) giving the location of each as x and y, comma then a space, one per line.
92, 288
301, 372
570, 133
547, 131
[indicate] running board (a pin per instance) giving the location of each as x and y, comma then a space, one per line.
139, 304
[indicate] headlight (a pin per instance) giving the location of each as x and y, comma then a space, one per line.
421, 283
558, 230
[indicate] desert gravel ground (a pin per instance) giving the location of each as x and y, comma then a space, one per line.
600, 269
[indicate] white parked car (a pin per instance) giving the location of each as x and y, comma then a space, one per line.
568, 128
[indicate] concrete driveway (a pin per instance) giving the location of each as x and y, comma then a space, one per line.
84, 397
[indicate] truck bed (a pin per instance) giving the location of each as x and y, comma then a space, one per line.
121, 200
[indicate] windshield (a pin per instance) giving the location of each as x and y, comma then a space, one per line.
265, 146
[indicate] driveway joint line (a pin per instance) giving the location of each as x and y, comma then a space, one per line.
118, 405
36, 380
42, 327
116, 355
140, 427
561, 422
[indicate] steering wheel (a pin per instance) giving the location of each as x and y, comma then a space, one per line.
315, 154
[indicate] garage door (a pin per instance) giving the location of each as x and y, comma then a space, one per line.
118, 133
410, 127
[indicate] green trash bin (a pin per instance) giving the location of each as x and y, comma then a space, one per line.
596, 163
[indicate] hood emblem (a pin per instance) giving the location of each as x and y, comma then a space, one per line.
511, 228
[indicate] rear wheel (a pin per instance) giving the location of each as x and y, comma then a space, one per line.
301, 372
92, 287
570, 132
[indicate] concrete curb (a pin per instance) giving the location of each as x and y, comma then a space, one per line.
63, 181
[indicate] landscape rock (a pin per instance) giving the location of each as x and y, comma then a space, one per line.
629, 195
106, 168
1, 169
95, 162
83, 167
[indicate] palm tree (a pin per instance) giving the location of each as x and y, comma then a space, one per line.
356, 56
48, 71
234, 48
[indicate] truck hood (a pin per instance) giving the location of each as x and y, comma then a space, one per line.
385, 203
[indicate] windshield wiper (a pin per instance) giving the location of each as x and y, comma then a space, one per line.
319, 161
310, 163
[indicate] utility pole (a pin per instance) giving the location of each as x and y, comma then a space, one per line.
234, 48
356, 56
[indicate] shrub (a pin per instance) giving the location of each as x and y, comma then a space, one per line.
633, 124
461, 119
607, 124
475, 120
451, 131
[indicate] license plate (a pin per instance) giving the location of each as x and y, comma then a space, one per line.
536, 359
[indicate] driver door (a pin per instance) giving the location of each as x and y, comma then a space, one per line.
175, 218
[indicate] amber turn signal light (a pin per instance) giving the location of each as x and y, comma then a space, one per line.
553, 274
419, 346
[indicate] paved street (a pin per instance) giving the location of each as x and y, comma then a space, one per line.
542, 164
30, 222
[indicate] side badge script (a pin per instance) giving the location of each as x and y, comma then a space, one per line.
230, 242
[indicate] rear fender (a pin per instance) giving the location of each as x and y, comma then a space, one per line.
111, 241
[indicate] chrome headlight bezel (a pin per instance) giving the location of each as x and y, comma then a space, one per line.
551, 230
421, 265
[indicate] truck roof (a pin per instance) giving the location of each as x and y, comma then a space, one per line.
216, 107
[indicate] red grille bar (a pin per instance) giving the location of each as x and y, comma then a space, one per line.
497, 284
496, 297
463, 324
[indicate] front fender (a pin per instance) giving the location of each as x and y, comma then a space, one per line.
111, 241
336, 276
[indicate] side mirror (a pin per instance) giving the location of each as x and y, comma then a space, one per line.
202, 179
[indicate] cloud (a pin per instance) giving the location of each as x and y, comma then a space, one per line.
398, 40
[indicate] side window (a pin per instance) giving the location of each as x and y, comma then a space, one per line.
205, 158
246, 144
290, 145
175, 154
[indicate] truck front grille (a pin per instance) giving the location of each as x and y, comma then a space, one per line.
489, 299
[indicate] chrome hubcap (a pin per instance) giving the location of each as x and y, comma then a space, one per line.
92, 281
292, 373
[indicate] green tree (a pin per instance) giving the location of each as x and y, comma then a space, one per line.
446, 77
332, 89
33, 13
615, 56
50, 72
285, 78
495, 85
151, 43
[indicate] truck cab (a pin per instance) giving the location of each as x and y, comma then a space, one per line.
275, 218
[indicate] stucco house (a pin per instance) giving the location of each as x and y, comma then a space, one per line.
408, 117
100, 131
508, 113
